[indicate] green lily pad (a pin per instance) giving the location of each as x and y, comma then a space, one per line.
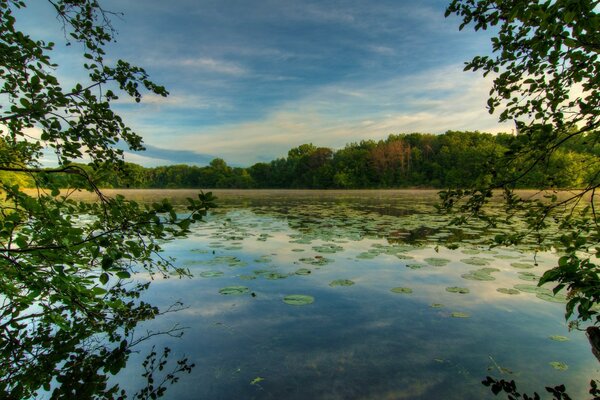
366, 256
457, 314
401, 290
470, 251
341, 282
436, 261
234, 290
476, 261
415, 266
303, 271
456, 289
559, 338
552, 298
404, 257
437, 305
528, 276
328, 248
298, 299
559, 365
482, 274
210, 274
508, 291
521, 265
317, 260
526, 288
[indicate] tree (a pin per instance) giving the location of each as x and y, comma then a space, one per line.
546, 77
68, 306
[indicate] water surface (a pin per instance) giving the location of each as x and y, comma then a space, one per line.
395, 314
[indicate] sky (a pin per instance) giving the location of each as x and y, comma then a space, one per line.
249, 80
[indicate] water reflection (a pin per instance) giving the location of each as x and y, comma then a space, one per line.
361, 341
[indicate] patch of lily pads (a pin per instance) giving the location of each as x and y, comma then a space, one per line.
210, 274
509, 291
542, 293
436, 261
415, 266
303, 271
234, 290
341, 282
482, 274
560, 366
558, 338
521, 265
458, 314
476, 261
528, 276
328, 248
401, 290
456, 289
298, 299
316, 260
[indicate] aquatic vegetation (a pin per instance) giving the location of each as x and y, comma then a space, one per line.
436, 261
436, 305
482, 274
401, 290
341, 282
210, 274
234, 290
508, 291
303, 271
456, 289
316, 260
328, 248
298, 299
415, 266
521, 265
528, 276
457, 314
560, 366
558, 338
476, 261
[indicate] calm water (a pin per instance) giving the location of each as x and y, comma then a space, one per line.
358, 339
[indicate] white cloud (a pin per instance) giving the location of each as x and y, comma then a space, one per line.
428, 102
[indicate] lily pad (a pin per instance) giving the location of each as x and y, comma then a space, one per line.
559, 365
552, 298
298, 299
234, 290
456, 289
436, 261
476, 261
521, 265
482, 274
457, 314
401, 290
303, 271
341, 282
559, 338
508, 291
415, 266
404, 257
528, 276
526, 288
210, 274
328, 248
437, 305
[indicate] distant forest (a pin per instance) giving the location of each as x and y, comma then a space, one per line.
454, 159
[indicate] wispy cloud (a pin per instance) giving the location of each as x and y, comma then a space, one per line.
430, 102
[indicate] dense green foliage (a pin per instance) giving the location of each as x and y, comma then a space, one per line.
454, 159
68, 309
546, 77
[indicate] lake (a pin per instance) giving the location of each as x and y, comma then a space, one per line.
351, 295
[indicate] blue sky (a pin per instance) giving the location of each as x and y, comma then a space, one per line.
251, 79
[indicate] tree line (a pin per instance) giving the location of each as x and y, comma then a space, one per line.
456, 159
